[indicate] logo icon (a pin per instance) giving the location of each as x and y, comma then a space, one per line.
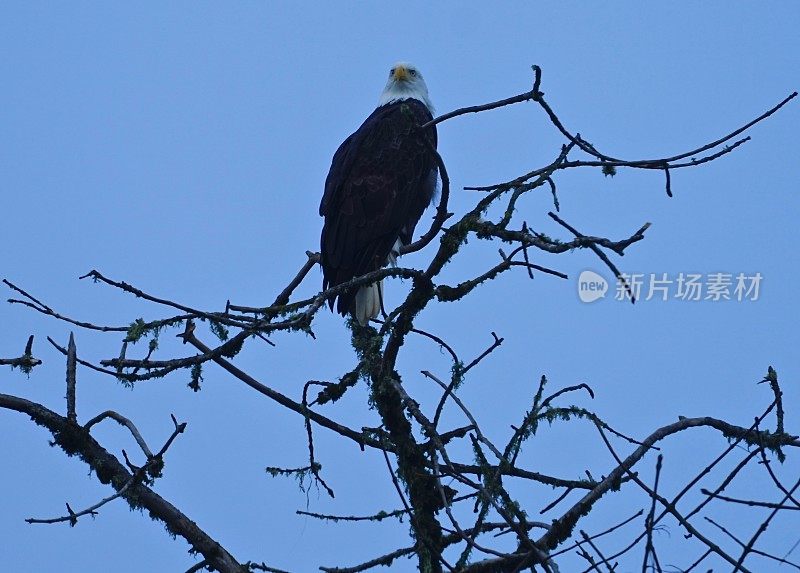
591, 286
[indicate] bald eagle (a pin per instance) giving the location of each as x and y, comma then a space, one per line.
381, 180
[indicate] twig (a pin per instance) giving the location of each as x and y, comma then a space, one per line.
25, 362
72, 516
458, 374
611, 529
698, 561
497, 342
591, 543
309, 433
649, 548
619, 248
123, 421
751, 549
283, 297
221, 317
71, 372
526, 96
748, 502
380, 516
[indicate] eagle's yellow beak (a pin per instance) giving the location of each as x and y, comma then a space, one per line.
401, 73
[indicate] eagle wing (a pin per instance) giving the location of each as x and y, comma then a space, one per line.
381, 180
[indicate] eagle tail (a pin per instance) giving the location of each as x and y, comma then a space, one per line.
368, 302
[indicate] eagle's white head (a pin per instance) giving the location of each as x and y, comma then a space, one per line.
405, 82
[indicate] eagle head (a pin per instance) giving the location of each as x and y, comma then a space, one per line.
405, 82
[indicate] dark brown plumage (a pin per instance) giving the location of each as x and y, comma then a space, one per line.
381, 180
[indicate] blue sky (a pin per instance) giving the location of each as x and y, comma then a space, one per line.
183, 148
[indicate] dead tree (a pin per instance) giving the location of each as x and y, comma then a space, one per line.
452, 483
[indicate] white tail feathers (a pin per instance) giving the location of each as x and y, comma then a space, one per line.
370, 297
368, 302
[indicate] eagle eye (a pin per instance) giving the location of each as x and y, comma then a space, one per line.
391, 71
412, 72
